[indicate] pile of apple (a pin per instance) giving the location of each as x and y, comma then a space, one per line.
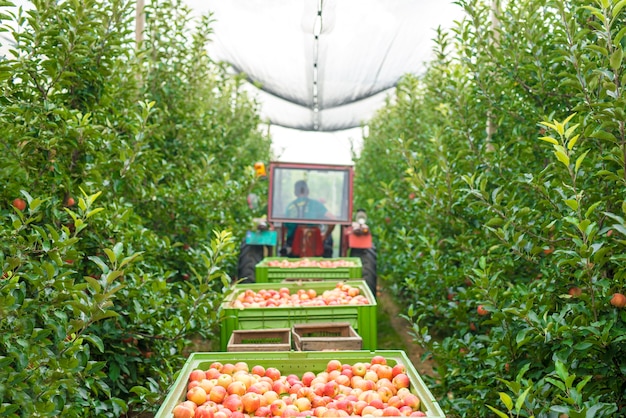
307, 262
342, 294
233, 390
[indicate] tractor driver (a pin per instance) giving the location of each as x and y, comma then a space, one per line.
304, 207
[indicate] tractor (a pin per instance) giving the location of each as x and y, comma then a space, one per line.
306, 204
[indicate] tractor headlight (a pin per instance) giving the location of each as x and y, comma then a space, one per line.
361, 217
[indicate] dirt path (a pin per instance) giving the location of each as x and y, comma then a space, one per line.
388, 314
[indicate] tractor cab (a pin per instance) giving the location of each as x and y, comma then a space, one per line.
309, 214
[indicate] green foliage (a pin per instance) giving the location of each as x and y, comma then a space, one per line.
503, 187
99, 306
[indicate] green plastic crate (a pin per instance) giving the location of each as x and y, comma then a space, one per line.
298, 362
264, 273
361, 317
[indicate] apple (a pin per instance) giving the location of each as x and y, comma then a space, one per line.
481, 310
19, 204
222, 413
71, 201
378, 360
258, 370
197, 395
236, 388
225, 380
213, 373
333, 365
417, 414
385, 393
401, 380
278, 407
228, 368
242, 365
205, 384
204, 411
273, 373
385, 372
217, 394
233, 402
618, 300
412, 400
181, 411
575, 291
303, 404
263, 411
391, 411
359, 369
197, 374
270, 396
307, 378
331, 389
251, 402
368, 410
395, 401
342, 379
397, 369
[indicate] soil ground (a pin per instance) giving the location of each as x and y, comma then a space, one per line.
394, 333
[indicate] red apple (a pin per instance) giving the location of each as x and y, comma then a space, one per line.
217, 394
204, 411
197, 374
225, 380
258, 370
273, 373
618, 300
236, 388
378, 360
401, 380
303, 404
307, 378
391, 411
19, 204
359, 369
278, 407
412, 400
181, 411
263, 411
233, 402
333, 365
482, 311
251, 402
197, 395
397, 369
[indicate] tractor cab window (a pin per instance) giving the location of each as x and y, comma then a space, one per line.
310, 194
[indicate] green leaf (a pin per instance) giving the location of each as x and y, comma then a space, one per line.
95, 340
572, 203
561, 370
549, 139
617, 58
572, 142
616, 9
521, 399
93, 212
561, 155
111, 255
579, 160
506, 400
498, 413
99, 263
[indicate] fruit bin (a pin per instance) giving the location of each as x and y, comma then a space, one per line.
273, 339
360, 317
265, 273
331, 336
298, 362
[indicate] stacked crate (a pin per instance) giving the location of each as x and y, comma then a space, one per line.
362, 318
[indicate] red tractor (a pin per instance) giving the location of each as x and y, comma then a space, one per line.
306, 203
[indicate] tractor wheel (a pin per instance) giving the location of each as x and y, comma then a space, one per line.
368, 261
249, 257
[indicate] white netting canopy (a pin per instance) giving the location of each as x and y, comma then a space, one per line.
324, 65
